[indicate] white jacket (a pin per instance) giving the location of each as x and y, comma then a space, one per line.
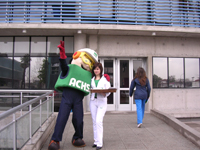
102, 84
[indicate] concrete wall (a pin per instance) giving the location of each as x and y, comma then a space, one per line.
141, 46
176, 100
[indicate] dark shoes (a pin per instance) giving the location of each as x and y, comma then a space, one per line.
53, 145
97, 147
94, 145
78, 143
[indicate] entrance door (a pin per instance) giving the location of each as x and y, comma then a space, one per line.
127, 69
109, 68
124, 102
121, 72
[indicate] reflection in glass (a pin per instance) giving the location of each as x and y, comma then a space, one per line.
52, 48
136, 65
160, 72
124, 97
192, 72
35, 119
21, 72
108, 69
176, 74
38, 73
5, 72
21, 46
38, 46
44, 111
6, 137
69, 44
6, 46
124, 73
23, 131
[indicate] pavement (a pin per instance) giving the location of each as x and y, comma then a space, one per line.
121, 133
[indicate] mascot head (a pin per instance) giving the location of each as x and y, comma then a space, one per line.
85, 58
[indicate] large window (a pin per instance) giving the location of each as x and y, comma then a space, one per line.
192, 72
31, 62
176, 72
160, 77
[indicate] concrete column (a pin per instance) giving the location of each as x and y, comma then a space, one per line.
149, 105
93, 43
79, 41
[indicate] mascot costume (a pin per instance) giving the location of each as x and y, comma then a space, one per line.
74, 83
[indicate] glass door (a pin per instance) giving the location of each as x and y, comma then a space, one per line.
127, 69
121, 72
135, 64
109, 68
124, 102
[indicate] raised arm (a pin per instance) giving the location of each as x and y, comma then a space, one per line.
63, 63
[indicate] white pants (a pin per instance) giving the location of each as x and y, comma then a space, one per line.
98, 108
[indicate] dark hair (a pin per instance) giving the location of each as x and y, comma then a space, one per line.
97, 64
141, 75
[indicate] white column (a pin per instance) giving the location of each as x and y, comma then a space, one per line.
79, 41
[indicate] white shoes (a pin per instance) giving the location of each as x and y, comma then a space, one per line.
139, 125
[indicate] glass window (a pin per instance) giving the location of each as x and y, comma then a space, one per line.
69, 44
136, 65
21, 46
5, 72
176, 72
21, 72
124, 97
53, 42
192, 72
160, 72
124, 73
38, 46
108, 69
38, 73
6, 46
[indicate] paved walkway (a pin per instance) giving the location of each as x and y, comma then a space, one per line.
121, 133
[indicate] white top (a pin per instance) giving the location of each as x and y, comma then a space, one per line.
102, 84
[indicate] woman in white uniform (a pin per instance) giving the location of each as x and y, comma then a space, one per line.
98, 104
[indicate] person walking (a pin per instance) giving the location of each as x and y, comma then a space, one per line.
141, 94
98, 103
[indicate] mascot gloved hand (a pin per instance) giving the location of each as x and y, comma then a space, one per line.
62, 50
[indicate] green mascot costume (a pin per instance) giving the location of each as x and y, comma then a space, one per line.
74, 83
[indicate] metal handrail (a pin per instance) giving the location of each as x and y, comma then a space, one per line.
13, 111
17, 108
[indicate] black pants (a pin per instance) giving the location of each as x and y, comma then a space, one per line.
71, 100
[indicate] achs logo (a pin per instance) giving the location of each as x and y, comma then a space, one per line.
79, 84
95, 54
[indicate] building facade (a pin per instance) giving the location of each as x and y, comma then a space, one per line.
163, 37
